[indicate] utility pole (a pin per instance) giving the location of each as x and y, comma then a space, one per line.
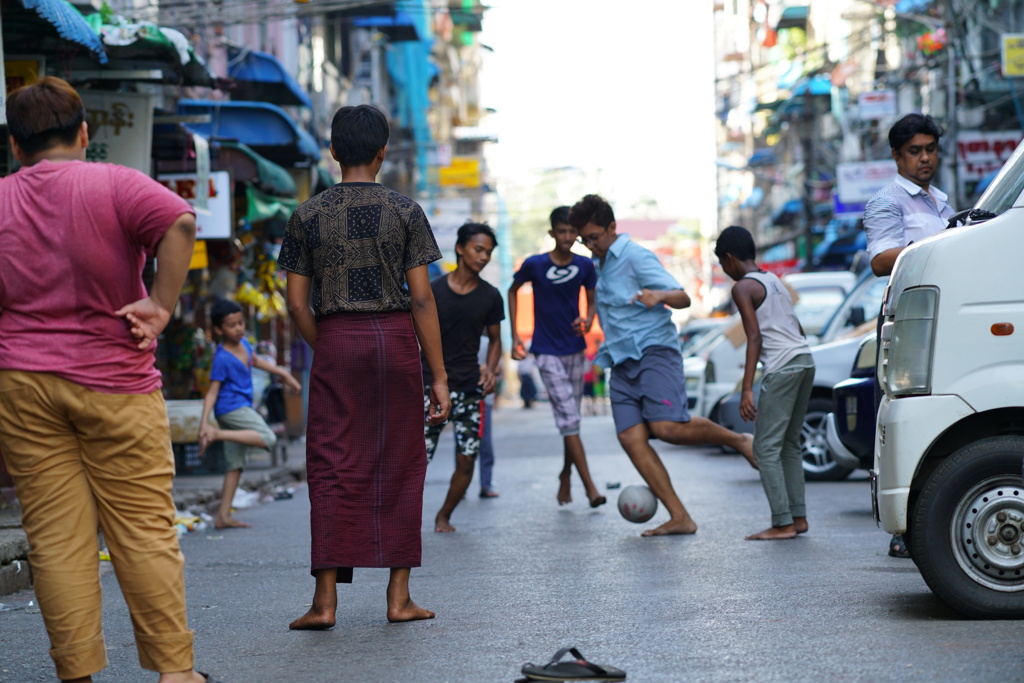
952, 176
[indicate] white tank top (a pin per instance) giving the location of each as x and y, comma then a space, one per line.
781, 340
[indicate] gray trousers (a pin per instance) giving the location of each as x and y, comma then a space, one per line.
780, 417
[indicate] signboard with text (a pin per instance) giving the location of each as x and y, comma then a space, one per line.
877, 104
1012, 45
856, 181
216, 222
462, 172
981, 152
120, 128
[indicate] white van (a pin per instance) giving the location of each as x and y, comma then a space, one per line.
950, 432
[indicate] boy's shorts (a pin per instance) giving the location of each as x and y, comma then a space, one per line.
563, 378
652, 389
236, 455
466, 418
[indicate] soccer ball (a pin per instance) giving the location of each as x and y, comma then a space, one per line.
637, 503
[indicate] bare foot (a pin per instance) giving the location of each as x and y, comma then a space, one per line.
313, 620
442, 526
564, 489
673, 527
230, 523
410, 611
800, 524
746, 449
597, 500
774, 533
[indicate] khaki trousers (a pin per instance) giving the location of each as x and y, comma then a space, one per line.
82, 461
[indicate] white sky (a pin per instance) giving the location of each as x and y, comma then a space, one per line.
625, 86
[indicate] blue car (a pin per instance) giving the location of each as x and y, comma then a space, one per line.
850, 427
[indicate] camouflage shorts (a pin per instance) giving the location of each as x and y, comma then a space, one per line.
466, 418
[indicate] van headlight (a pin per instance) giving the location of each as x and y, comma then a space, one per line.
909, 367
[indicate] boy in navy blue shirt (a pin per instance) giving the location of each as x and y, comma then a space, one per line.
558, 343
230, 397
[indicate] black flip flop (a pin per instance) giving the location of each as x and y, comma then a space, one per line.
572, 670
209, 678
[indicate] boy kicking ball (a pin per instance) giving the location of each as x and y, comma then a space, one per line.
774, 337
230, 398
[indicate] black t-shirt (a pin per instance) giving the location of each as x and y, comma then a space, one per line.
464, 318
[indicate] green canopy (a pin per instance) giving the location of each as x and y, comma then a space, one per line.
270, 177
265, 207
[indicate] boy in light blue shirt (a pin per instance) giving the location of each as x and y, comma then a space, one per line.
647, 388
231, 400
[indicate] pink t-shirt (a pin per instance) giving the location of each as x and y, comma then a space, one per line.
73, 242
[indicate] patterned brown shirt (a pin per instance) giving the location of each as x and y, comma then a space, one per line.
356, 241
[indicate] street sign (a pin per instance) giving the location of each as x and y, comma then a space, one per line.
1013, 54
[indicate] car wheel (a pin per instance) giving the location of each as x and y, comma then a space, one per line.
968, 529
819, 465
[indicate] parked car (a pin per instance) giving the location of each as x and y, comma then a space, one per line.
850, 427
713, 374
699, 330
831, 365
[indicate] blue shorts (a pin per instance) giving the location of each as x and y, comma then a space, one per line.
652, 389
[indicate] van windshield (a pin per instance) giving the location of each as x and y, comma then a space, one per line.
1004, 190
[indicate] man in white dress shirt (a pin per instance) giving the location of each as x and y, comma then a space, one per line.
906, 210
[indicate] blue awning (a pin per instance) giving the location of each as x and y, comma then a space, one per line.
265, 127
397, 28
261, 76
70, 24
793, 17
762, 157
816, 85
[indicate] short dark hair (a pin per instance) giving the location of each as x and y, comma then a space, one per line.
468, 230
738, 241
560, 216
910, 125
222, 309
45, 114
358, 133
591, 209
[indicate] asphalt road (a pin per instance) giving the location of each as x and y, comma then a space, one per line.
522, 577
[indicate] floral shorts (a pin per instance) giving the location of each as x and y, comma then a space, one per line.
466, 418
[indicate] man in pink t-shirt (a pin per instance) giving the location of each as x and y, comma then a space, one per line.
83, 425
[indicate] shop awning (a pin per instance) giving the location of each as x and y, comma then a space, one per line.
248, 166
68, 22
324, 180
265, 127
264, 207
261, 76
815, 85
397, 28
794, 16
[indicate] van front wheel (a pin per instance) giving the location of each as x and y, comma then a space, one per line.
968, 529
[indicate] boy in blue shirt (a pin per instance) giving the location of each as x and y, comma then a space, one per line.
230, 397
647, 389
558, 343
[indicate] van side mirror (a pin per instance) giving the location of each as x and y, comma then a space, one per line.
856, 316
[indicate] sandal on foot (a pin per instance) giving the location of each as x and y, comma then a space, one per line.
572, 670
898, 547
